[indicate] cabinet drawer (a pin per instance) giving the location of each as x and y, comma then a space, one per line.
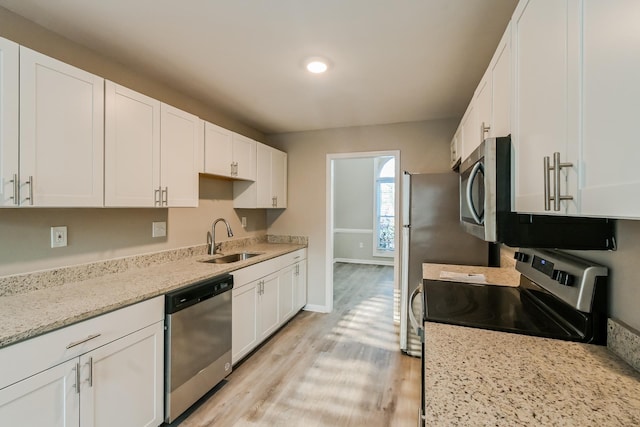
23, 359
262, 269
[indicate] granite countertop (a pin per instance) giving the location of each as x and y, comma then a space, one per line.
506, 276
28, 314
477, 377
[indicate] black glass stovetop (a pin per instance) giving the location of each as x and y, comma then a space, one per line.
500, 308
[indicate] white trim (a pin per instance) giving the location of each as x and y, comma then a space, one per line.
363, 261
317, 308
329, 226
353, 230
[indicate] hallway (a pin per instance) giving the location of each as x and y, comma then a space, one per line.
338, 369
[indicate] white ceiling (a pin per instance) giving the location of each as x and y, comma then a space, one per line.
392, 60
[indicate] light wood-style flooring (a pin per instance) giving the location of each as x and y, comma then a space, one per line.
338, 369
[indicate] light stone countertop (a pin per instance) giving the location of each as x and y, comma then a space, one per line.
32, 313
506, 276
477, 377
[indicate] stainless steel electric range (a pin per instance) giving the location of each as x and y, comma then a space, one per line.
560, 296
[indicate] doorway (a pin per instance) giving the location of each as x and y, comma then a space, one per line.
363, 212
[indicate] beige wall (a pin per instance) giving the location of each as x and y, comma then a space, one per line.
100, 234
424, 147
96, 234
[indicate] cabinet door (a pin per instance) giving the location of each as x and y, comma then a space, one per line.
45, 399
218, 150
483, 104
132, 148
180, 137
269, 320
264, 195
286, 293
545, 45
8, 123
61, 133
122, 382
279, 178
244, 156
470, 132
610, 183
301, 284
244, 326
501, 87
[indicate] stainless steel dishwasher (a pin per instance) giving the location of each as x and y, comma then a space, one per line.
197, 342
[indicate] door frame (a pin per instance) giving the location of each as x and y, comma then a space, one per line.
330, 219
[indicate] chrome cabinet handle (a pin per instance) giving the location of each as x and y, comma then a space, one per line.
156, 197
547, 187
30, 183
77, 384
82, 341
556, 168
15, 183
90, 363
165, 196
484, 129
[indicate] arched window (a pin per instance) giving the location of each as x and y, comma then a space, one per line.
384, 217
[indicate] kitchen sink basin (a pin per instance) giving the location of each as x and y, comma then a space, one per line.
227, 259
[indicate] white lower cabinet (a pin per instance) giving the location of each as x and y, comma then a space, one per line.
100, 382
52, 392
265, 296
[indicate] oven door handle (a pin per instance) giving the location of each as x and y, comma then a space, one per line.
472, 177
412, 317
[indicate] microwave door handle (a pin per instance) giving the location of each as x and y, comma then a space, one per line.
472, 177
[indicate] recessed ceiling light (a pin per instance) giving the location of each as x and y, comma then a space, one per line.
317, 65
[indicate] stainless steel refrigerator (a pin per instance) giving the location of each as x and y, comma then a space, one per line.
431, 232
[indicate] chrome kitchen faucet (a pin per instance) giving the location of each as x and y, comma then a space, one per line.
213, 247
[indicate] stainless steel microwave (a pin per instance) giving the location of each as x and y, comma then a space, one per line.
485, 208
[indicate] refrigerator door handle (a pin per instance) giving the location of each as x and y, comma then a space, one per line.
412, 317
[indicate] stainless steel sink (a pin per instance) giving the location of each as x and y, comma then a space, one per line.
227, 259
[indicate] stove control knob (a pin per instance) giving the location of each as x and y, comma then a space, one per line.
562, 277
521, 256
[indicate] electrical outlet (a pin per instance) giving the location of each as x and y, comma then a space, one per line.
361, 245
244, 222
59, 236
158, 229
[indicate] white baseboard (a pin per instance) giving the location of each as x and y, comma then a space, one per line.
316, 308
363, 261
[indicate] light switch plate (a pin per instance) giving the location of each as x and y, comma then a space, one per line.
59, 236
158, 229
244, 222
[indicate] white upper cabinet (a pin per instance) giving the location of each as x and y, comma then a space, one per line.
61, 133
270, 187
228, 154
244, 157
488, 113
500, 67
470, 135
218, 150
455, 148
545, 49
151, 151
610, 183
132, 148
180, 138
9, 67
